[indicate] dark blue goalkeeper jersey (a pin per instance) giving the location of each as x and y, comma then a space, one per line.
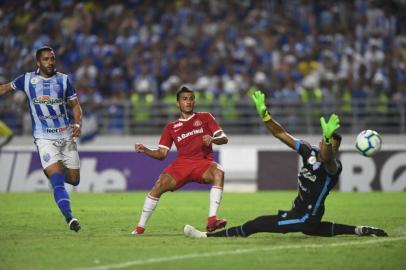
314, 181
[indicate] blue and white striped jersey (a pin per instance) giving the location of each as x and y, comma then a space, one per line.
48, 99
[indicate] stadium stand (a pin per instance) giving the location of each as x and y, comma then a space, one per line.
310, 57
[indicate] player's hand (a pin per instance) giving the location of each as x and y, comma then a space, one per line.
328, 128
259, 100
76, 130
207, 139
139, 148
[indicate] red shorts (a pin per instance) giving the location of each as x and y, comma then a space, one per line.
188, 170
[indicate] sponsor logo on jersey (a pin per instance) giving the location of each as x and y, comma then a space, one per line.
47, 100
197, 123
56, 130
56, 116
177, 125
190, 133
34, 80
307, 174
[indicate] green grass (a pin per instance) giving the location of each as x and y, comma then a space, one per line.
33, 234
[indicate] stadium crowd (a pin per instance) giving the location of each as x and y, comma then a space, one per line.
295, 51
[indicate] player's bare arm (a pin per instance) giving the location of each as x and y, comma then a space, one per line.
77, 117
274, 127
5, 88
279, 132
159, 153
328, 157
218, 138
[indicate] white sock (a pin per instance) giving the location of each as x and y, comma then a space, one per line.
149, 207
216, 193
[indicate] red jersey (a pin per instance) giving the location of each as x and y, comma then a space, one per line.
188, 135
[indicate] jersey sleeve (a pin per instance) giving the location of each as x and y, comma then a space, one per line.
303, 148
70, 90
166, 138
212, 123
18, 83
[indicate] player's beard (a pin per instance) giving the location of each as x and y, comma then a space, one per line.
49, 71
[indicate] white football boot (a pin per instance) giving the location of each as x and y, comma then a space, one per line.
190, 231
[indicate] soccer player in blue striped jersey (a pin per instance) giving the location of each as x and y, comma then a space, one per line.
317, 177
49, 94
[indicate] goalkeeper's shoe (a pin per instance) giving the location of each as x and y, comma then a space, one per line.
74, 224
138, 230
190, 231
369, 231
213, 224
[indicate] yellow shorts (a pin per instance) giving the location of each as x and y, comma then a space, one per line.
5, 131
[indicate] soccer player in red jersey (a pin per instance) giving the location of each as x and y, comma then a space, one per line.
193, 134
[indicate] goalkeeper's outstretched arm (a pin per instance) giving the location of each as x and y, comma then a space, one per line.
273, 126
279, 132
331, 142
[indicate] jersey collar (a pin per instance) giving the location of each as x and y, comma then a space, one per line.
187, 119
38, 74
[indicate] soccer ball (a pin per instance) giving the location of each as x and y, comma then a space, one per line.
368, 142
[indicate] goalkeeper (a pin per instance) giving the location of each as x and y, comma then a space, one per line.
316, 178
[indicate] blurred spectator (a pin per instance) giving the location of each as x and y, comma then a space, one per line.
86, 70
116, 114
91, 101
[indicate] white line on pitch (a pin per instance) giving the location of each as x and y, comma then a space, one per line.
237, 251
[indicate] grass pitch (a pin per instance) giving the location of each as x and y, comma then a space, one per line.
33, 234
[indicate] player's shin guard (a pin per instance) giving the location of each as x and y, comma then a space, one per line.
216, 194
61, 196
149, 207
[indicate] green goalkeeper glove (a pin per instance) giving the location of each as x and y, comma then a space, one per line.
259, 99
328, 128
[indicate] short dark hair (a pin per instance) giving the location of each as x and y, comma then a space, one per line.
183, 89
42, 49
